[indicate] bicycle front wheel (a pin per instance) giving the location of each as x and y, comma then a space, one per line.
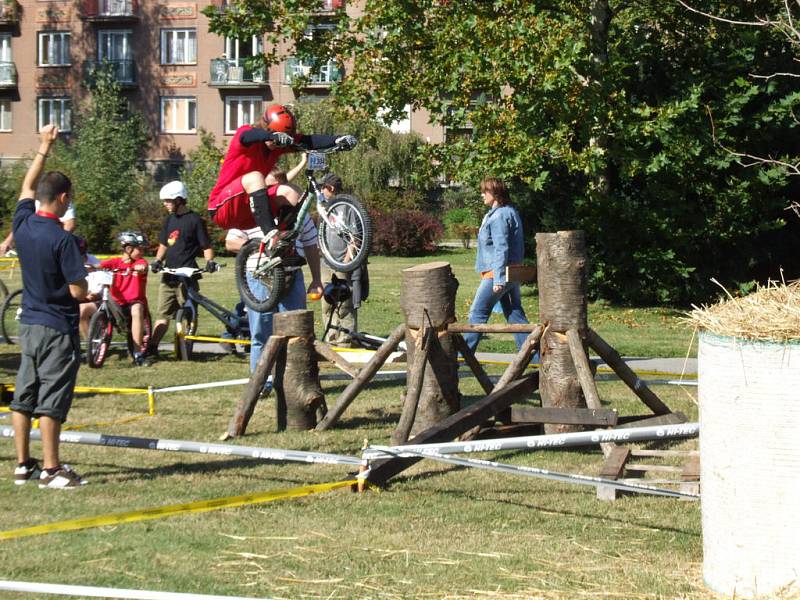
99, 339
345, 236
185, 324
261, 292
11, 312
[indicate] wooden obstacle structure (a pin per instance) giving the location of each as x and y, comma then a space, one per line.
431, 406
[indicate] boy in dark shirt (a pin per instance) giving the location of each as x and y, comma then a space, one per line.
182, 238
54, 280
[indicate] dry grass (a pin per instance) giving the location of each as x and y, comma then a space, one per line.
771, 313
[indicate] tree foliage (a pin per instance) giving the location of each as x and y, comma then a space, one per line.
604, 115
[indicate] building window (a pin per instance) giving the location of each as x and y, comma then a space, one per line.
5, 115
241, 110
54, 49
178, 47
57, 111
178, 115
5, 47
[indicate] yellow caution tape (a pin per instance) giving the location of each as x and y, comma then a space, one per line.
95, 390
174, 509
205, 338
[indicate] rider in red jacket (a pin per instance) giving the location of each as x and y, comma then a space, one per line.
241, 199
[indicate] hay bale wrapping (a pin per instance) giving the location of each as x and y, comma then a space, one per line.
749, 396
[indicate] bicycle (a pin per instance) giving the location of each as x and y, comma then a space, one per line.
9, 317
186, 318
110, 316
344, 238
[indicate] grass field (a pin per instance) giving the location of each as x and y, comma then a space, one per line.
436, 532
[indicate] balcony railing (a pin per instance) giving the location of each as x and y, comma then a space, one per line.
330, 5
9, 12
225, 72
8, 75
123, 71
328, 74
110, 10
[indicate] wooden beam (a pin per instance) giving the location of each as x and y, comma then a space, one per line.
614, 360
364, 377
490, 328
476, 367
564, 416
416, 375
454, 425
327, 353
247, 401
646, 421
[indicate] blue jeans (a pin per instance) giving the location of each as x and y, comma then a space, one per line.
261, 323
481, 309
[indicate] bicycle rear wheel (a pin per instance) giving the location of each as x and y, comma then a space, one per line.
346, 236
11, 312
99, 339
260, 293
185, 324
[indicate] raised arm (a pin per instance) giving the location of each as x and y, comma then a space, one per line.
297, 168
47, 135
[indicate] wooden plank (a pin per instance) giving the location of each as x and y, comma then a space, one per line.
563, 416
365, 375
329, 354
665, 453
458, 423
614, 360
675, 418
490, 328
691, 468
521, 273
615, 463
654, 468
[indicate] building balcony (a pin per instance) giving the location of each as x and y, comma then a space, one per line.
330, 6
8, 75
123, 71
111, 11
226, 73
297, 71
9, 13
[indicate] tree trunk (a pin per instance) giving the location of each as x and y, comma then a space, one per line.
561, 261
428, 297
297, 373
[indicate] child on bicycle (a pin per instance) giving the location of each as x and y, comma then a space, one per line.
129, 289
241, 198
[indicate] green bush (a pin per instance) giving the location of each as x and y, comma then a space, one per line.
462, 224
389, 200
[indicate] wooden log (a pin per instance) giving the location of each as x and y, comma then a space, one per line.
363, 377
416, 375
624, 372
329, 354
585, 377
490, 328
458, 423
569, 416
427, 299
297, 386
513, 371
247, 401
472, 362
561, 260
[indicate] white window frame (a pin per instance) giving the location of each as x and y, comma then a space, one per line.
184, 108
170, 39
6, 122
65, 41
237, 102
64, 111
233, 49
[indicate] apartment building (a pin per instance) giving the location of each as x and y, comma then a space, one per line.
171, 68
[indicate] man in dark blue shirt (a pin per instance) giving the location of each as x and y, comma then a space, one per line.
54, 281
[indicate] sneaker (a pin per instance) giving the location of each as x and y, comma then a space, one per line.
25, 473
65, 478
140, 360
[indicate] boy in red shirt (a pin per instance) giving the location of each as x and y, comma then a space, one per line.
129, 289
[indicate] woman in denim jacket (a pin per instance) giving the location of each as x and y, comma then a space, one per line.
500, 244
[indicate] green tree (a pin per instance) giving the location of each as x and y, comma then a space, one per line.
599, 114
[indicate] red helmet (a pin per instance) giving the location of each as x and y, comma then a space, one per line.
279, 118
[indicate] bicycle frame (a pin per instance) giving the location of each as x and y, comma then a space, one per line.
233, 323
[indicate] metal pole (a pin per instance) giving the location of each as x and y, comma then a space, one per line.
542, 442
121, 441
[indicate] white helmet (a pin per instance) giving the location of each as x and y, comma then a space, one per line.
172, 190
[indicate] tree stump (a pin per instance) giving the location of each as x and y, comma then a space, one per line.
297, 373
561, 264
428, 299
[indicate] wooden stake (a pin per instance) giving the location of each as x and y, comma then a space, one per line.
416, 375
328, 353
472, 362
363, 377
626, 374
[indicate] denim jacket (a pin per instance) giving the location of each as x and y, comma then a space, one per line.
500, 242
